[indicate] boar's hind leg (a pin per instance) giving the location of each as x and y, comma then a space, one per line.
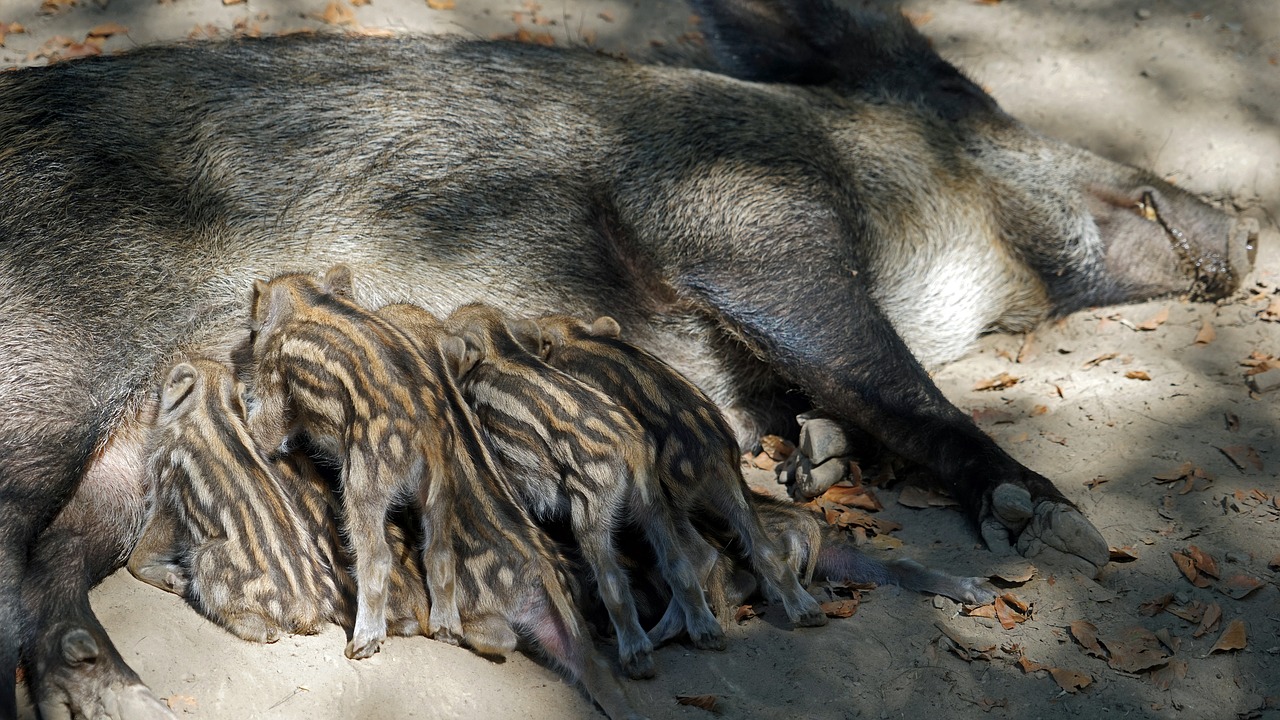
847, 358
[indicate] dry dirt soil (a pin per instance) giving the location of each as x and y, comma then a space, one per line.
1107, 402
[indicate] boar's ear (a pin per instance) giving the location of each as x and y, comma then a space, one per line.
527, 333
181, 380
459, 355
605, 326
792, 41
338, 281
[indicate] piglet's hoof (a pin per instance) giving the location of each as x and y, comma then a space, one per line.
359, 649
1052, 532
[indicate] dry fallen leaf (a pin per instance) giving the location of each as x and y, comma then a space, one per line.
180, 703
1206, 334
108, 29
1154, 607
1094, 483
920, 18
859, 497
706, 702
1189, 571
1233, 638
1208, 621
1239, 587
1070, 680
1123, 554
840, 608
440, 4
999, 382
337, 13
1154, 321
744, 613
1134, 649
778, 448
1086, 634
1138, 375
1029, 666
1243, 457
1164, 677
1204, 561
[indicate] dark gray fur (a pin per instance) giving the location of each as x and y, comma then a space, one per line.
142, 193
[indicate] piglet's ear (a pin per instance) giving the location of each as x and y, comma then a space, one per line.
527, 333
338, 282
459, 355
605, 326
179, 384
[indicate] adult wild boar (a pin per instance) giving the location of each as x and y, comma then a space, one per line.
903, 213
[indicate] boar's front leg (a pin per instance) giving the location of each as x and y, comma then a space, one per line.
827, 336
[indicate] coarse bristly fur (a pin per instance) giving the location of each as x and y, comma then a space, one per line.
902, 211
509, 579
576, 456
224, 533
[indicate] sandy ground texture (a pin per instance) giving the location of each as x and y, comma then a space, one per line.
1149, 416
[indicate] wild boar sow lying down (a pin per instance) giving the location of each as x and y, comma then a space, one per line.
905, 213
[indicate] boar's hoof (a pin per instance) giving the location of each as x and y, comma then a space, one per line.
1060, 535
92, 683
708, 638
805, 480
822, 439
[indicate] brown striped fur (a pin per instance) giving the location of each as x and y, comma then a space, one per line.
223, 533
575, 456
387, 407
698, 454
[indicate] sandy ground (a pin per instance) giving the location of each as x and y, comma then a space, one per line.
1189, 88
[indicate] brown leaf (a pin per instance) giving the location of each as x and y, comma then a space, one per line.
1154, 321
108, 29
605, 16
920, 18
778, 448
1017, 572
337, 13
1240, 586
1184, 470
1243, 457
180, 703
1101, 359
1134, 649
1164, 677
705, 702
1029, 666
1154, 607
1094, 483
1138, 375
999, 382
1070, 680
1189, 571
1168, 639
1123, 554
859, 497
440, 4
1206, 335
1232, 638
1191, 613
1204, 561
840, 608
1010, 611
1209, 621
886, 542
1086, 634
744, 613
55, 7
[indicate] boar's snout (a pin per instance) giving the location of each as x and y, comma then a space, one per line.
1162, 239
